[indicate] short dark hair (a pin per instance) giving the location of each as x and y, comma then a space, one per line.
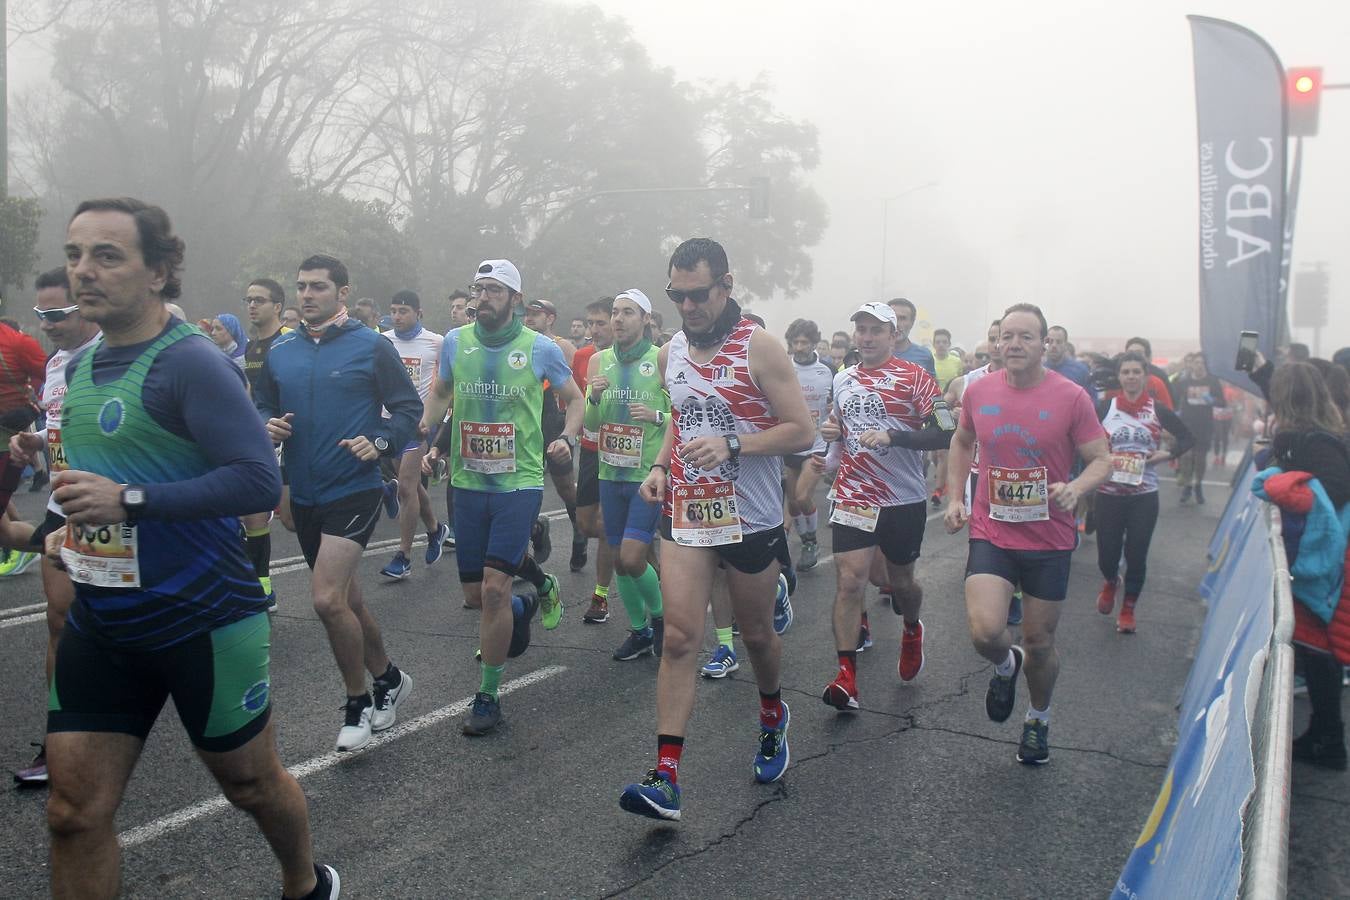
937, 331
277, 292
901, 301
1058, 328
458, 295
688, 255
159, 245
52, 278
603, 305
1145, 343
1127, 356
294, 309
337, 272
1031, 308
407, 298
803, 328
1299, 352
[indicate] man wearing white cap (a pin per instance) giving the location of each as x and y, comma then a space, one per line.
495, 371
877, 430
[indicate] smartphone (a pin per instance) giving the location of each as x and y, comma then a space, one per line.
1246, 354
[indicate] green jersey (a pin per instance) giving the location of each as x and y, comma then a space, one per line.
628, 447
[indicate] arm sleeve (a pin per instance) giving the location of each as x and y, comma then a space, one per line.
266, 396
1172, 424
399, 396
1261, 378
931, 437
209, 393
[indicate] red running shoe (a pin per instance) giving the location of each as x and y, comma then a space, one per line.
842, 693
1125, 621
1106, 598
911, 652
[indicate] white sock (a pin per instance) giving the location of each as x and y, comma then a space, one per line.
1007, 667
1042, 714
800, 523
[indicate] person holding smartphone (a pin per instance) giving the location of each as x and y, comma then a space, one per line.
1200, 393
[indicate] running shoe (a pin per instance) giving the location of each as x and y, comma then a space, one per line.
633, 646
782, 607
773, 757
735, 629
436, 542
1125, 621
578, 560
484, 715
1034, 749
810, 555
1002, 693
399, 568
36, 773
1186, 494
328, 885
450, 537
656, 797
266, 584
791, 575
936, 499
911, 652
550, 604
1325, 750
598, 612
523, 608
540, 540
842, 693
1015, 609
1106, 597
387, 699
1199, 495
355, 732
658, 635
391, 498
864, 634
722, 664
18, 562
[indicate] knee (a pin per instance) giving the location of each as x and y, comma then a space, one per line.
1038, 645
680, 641
72, 814
758, 638
330, 602
249, 794
631, 563
407, 488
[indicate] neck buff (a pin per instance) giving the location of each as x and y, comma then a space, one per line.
1132, 408
633, 353
316, 331
721, 327
410, 333
504, 335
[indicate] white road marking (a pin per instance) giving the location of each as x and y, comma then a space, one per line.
188, 814
20, 610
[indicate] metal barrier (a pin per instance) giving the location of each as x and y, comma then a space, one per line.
1265, 823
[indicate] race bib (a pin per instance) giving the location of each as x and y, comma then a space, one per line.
56, 451
414, 367
487, 448
863, 518
102, 556
621, 445
704, 515
1128, 468
1018, 495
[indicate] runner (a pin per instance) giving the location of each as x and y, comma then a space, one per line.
1159, 387
459, 306
1030, 424
334, 436
589, 515
947, 366
1127, 502
22, 368
799, 480
494, 371
629, 411
1058, 358
263, 300
736, 408
165, 452
419, 349
290, 317
877, 430
1200, 394
905, 316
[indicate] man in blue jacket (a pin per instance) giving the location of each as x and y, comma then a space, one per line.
321, 390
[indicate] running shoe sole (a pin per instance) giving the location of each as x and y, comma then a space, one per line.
839, 698
404, 689
721, 672
637, 803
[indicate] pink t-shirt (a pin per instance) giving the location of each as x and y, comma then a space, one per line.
1021, 431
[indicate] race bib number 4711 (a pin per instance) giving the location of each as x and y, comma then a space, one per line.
1018, 495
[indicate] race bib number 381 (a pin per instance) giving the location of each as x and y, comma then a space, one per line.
1018, 495
704, 515
488, 448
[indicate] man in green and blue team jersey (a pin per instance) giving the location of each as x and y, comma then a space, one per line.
494, 372
629, 411
165, 453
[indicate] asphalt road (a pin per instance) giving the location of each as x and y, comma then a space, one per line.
917, 794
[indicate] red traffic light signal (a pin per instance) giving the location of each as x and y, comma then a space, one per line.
1304, 98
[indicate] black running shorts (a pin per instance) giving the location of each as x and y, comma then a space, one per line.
899, 533
753, 553
352, 517
1043, 574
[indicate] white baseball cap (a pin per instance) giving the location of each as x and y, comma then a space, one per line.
503, 270
637, 297
882, 312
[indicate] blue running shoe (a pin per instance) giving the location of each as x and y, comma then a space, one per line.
436, 542
782, 606
391, 498
655, 797
450, 536
791, 575
722, 664
1015, 609
772, 759
399, 568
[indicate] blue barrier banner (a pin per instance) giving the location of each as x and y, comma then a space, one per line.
1241, 505
1191, 845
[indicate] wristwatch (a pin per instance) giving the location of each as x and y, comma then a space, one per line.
133, 501
381, 444
571, 441
660, 417
734, 445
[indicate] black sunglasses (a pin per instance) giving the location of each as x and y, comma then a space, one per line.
56, 315
698, 295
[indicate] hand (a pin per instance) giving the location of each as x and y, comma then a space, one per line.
956, 516
817, 463
423, 430
705, 452
653, 487
25, 447
641, 412
598, 384
280, 429
1065, 495
874, 440
360, 447
89, 499
559, 451
429, 461
829, 429
1158, 456
51, 546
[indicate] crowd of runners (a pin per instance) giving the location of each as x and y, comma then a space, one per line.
701, 460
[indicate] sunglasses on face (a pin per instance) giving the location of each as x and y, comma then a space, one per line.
56, 315
698, 295
471, 312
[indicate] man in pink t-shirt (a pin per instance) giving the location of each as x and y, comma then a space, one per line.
1029, 422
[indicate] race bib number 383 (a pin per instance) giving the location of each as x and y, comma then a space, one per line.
1018, 495
621, 445
102, 555
488, 448
704, 515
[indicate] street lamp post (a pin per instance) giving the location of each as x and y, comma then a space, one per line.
886, 222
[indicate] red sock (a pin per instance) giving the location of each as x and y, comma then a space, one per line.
848, 662
771, 709
668, 750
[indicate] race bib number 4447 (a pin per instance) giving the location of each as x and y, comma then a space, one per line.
1018, 495
704, 515
488, 448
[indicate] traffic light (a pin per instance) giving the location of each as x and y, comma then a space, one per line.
1304, 96
759, 197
